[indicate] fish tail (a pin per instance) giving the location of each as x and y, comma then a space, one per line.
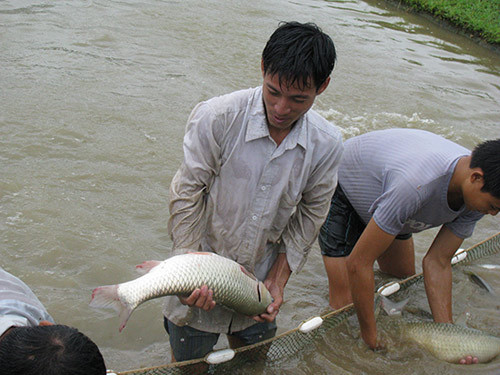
107, 297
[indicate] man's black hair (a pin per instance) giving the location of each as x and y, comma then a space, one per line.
299, 52
487, 157
49, 350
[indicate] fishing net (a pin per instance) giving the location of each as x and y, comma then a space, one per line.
290, 343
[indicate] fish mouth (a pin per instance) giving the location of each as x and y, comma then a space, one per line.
260, 293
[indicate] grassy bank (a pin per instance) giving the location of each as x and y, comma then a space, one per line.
478, 17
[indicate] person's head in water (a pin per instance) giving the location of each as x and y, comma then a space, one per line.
49, 350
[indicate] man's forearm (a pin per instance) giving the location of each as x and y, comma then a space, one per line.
437, 274
280, 271
186, 223
361, 280
438, 285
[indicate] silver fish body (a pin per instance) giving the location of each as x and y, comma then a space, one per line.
232, 285
451, 342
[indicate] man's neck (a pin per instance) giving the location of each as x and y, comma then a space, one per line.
278, 135
455, 194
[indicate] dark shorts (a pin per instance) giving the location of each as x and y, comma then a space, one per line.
190, 343
342, 227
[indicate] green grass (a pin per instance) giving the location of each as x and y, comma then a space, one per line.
480, 17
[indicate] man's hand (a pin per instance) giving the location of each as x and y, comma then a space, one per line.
274, 307
201, 298
275, 282
370, 338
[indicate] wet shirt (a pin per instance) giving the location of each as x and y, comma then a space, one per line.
18, 304
400, 177
240, 195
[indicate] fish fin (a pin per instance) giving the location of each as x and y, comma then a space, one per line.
107, 297
147, 266
391, 307
248, 273
478, 280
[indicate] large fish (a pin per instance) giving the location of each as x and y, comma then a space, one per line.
232, 285
446, 341
452, 342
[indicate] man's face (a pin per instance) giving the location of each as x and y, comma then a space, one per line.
477, 200
285, 104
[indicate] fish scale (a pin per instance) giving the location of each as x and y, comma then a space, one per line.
232, 286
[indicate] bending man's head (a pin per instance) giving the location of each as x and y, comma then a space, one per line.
49, 350
487, 157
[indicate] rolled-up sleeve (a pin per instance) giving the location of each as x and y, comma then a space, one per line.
305, 223
193, 179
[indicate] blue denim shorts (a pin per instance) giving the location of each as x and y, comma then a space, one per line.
342, 227
190, 343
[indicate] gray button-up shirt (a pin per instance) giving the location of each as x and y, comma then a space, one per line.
241, 196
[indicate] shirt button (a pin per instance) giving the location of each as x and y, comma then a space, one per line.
262, 188
254, 217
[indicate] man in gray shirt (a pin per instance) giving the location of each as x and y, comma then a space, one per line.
32, 344
393, 183
259, 170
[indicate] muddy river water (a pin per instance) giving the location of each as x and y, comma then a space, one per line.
94, 96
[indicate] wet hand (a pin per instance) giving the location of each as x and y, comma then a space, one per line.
269, 315
469, 360
201, 298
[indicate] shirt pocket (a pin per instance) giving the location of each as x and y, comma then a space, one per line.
286, 208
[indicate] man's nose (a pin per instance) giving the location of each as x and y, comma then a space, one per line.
282, 107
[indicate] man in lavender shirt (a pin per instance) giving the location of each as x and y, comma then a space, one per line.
393, 183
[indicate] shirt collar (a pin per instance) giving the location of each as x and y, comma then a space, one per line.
257, 124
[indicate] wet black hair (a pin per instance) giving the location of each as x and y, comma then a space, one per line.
299, 52
49, 350
487, 157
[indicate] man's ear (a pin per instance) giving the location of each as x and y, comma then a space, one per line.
262, 66
323, 86
477, 175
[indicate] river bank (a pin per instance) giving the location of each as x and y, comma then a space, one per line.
478, 19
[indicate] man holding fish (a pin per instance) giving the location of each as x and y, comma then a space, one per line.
259, 170
393, 183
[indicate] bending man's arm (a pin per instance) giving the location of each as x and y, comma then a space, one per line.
372, 243
437, 274
438, 278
